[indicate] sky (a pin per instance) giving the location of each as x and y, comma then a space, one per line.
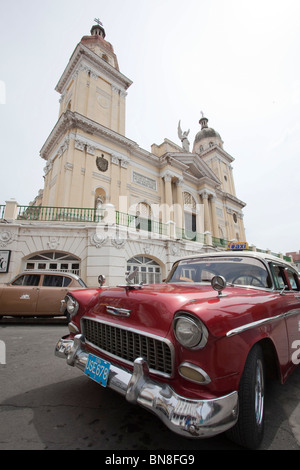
235, 60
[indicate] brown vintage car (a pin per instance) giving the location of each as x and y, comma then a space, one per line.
37, 293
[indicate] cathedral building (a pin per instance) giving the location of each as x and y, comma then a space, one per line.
108, 206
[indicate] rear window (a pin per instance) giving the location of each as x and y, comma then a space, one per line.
27, 280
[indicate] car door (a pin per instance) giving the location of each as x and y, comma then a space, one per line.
288, 286
53, 290
20, 297
293, 317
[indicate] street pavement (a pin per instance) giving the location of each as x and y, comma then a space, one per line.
45, 404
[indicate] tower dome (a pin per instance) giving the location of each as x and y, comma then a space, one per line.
98, 44
206, 137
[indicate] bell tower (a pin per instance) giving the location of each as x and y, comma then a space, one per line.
92, 84
92, 109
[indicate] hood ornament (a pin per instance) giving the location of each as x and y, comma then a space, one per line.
130, 281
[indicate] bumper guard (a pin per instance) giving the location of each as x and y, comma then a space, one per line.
185, 416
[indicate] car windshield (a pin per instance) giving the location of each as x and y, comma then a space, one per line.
237, 270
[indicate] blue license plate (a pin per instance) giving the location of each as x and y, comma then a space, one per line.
97, 369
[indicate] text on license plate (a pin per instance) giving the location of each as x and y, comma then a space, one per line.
97, 369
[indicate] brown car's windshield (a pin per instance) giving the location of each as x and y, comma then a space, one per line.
237, 270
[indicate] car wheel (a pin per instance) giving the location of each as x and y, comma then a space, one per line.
248, 431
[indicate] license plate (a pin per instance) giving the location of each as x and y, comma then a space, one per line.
97, 369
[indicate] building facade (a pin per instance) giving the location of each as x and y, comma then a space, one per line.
108, 206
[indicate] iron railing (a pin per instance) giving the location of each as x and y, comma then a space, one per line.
137, 223
61, 214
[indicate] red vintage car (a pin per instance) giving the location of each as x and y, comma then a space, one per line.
196, 349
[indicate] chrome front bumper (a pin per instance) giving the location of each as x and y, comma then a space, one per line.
185, 416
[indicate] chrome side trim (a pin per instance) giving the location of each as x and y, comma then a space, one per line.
264, 321
249, 326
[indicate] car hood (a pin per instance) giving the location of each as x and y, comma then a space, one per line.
152, 307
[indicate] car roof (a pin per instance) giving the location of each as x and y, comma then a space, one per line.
249, 254
44, 271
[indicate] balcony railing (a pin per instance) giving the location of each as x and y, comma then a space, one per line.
140, 223
61, 214
130, 221
185, 234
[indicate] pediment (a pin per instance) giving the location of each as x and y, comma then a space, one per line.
197, 167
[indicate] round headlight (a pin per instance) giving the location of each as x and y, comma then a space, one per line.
71, 305
190, 331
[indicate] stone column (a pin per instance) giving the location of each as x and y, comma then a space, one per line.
215, 229
168, 196
207, 222
115, 183
179, 208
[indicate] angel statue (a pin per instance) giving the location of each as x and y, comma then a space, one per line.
183, 137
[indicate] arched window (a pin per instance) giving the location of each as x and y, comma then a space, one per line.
189, 213
54, 261
148, 270
143, 210
143, 213
100, 198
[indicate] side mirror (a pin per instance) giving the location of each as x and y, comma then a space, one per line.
218, 283
101, 279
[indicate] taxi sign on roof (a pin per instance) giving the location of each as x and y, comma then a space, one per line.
237, 246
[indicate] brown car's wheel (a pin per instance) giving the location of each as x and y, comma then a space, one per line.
248, 431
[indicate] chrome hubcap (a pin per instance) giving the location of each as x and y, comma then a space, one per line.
259, 393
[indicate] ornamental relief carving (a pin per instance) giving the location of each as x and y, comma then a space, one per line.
143, 180
118, 242
98, 240
101, 163
6, 237
53, 243
103, 101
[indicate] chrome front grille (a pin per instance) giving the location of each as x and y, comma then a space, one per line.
128, 345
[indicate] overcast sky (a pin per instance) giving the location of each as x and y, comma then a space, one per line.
235, 60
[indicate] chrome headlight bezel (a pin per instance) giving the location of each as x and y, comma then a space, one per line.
72, 305
190, 331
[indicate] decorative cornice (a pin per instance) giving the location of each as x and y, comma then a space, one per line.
229, 198
81, 53
70, 120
